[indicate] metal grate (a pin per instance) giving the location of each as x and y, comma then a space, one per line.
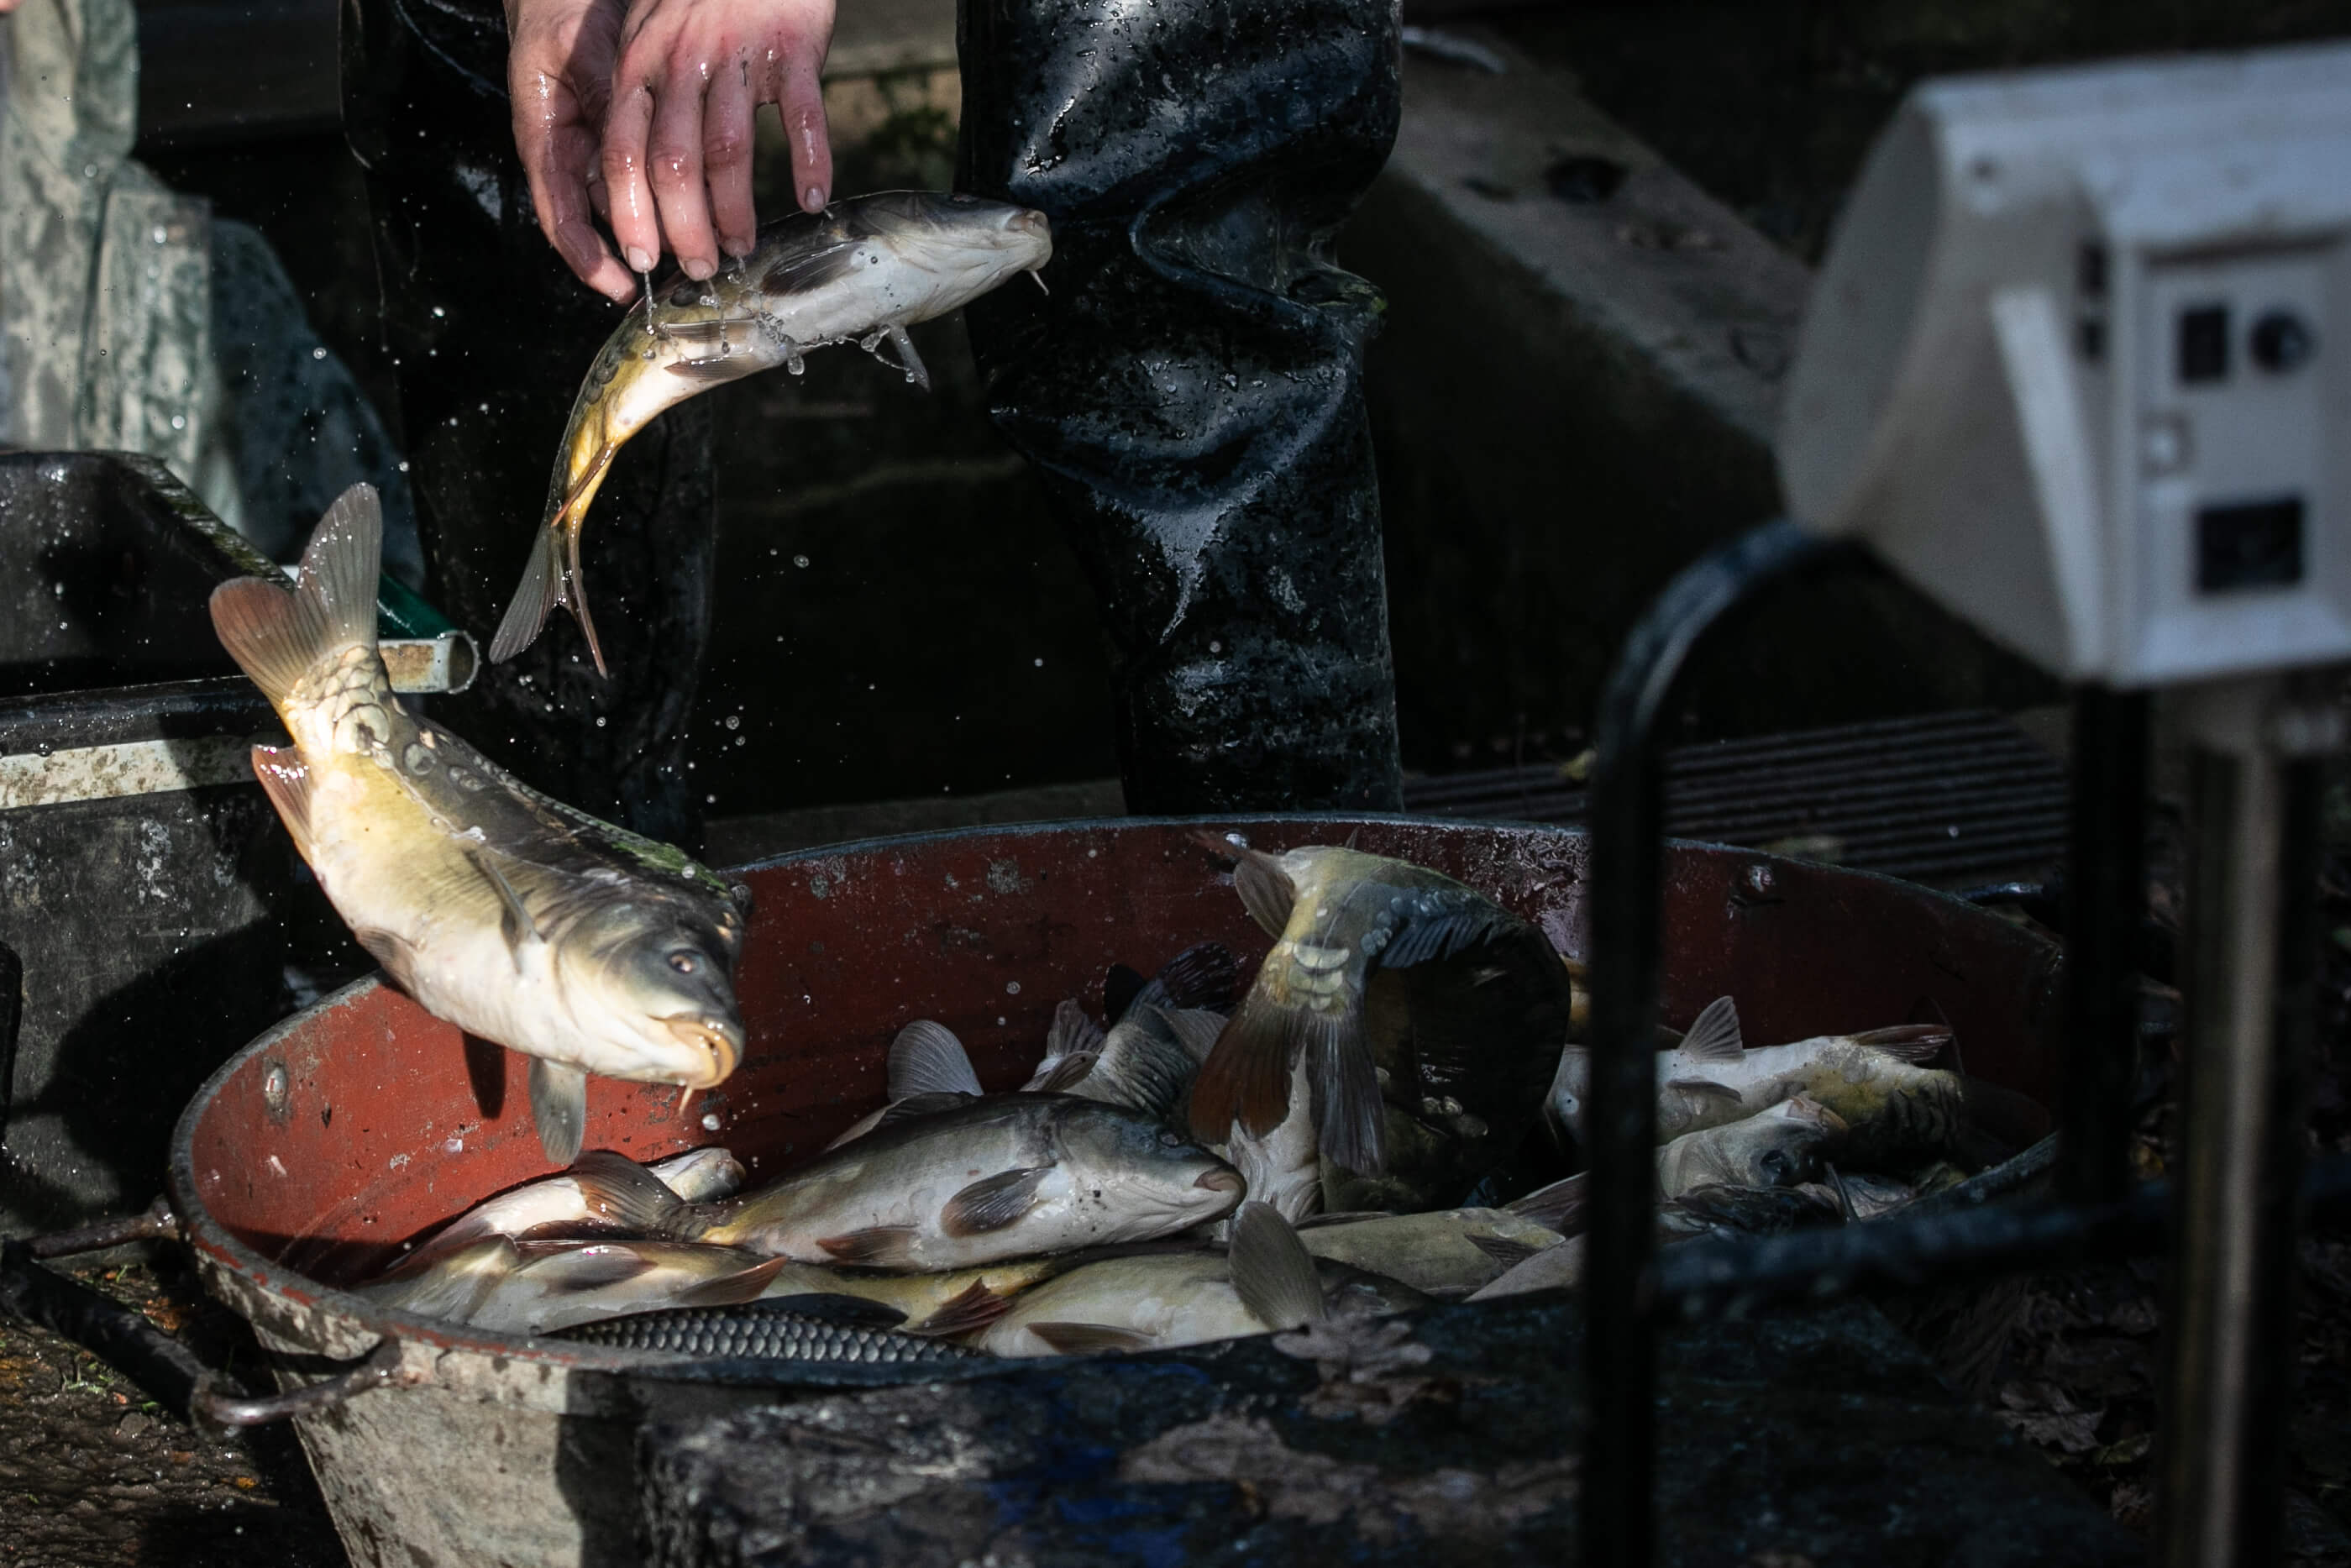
1951, 797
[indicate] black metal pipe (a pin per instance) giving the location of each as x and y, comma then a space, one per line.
1628, 860
2105, 891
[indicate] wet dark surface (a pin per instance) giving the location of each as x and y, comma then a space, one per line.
1193, 389
1454, 1443
91, 1472
1773, 108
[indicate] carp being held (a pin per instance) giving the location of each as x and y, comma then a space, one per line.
509, 913
862, 271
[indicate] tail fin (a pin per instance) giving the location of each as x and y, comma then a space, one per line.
276, 637
1247, 1077
543, 588
551, 576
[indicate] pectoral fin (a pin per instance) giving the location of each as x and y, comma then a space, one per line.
558, 1105
1916, 1043
875, 1246
1273, 1271
1089, 1339
975, 1307
514, 922
733, 1289
286, 779
993, 1202
908, 361
714, 370
1510, 1254
390, 950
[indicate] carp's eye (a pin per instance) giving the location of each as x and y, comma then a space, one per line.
1170, 1140
1775, 1165
685, 963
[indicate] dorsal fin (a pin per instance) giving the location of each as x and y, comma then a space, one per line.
619, 1191
927, 1058
1558, 1207
1714, 1036
559, 1106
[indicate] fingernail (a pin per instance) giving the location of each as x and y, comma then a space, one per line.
697, 269
813, 199
639, 261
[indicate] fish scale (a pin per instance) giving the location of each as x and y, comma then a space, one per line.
748, 1332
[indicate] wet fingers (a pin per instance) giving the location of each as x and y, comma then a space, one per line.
674, 165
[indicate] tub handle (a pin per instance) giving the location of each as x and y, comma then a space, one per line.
158, 1223
380, 1368
157, 1362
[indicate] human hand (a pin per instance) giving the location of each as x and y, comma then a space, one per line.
560, 59
678, 137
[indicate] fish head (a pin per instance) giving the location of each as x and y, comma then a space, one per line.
976, 241
652, 983
1783, 1146
1158, 1172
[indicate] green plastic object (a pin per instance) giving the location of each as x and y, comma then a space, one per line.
401, 611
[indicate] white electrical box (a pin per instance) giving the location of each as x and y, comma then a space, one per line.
2079, 363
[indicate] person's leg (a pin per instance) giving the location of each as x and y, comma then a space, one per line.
490, 336
1193, 388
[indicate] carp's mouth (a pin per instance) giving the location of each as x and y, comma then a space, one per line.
718, 1041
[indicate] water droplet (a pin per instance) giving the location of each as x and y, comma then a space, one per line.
734, 721
438, 313
710, 1121
1216, 647
1011, 987
318, 353
710, 799
800, 561
1041, 663
599, 721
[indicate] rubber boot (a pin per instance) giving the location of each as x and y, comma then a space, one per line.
1192, 389
490, 335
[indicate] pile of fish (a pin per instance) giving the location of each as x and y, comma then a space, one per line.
1205, 1160
1333, 1141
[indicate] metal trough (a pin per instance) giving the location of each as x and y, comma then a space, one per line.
352, 1127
